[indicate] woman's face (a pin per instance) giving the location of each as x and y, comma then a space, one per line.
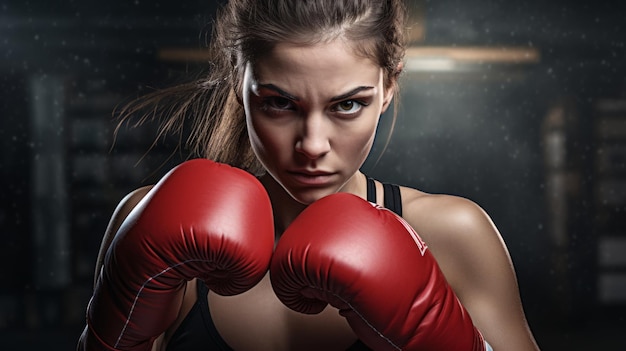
312, 113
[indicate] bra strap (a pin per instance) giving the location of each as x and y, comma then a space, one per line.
391, 195
371, 190
393, 201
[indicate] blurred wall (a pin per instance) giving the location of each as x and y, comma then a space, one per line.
480, 131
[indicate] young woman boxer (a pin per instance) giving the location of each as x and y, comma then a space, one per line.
247, 257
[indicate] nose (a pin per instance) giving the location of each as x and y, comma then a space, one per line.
313, 140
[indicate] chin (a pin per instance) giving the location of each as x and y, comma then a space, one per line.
310, 196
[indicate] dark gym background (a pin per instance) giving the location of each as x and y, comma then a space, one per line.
518, 105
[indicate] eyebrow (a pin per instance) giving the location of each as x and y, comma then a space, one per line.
351, 93
334, 98
279, 91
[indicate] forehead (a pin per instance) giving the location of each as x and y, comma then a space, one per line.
330, 62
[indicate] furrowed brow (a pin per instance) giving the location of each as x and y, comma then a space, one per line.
279, 91
351, 93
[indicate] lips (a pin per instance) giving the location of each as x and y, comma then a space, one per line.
312, 178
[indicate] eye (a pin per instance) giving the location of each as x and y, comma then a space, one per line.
278, 103
348, 107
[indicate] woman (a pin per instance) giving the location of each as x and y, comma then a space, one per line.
294, 96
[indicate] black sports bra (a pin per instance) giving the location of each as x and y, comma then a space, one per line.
198, 332
392, 199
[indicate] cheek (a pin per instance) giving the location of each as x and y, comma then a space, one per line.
358, 143
367, 142
269, 144
256, 133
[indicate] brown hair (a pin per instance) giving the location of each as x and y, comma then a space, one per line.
247, 29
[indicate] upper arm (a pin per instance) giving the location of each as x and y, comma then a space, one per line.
119, 215
475, 261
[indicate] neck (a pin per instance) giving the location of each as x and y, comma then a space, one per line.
286, 209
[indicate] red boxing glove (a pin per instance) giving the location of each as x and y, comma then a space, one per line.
371, 265
202, 220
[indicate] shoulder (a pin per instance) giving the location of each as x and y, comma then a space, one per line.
123, 209
475, 261
130, 201
125, 206
445, 215
460, 234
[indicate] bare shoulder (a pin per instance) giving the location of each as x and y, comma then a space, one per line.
125, 206
462, 237
446, 217
123, 209
475, 261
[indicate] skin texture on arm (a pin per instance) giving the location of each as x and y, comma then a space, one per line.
474, 259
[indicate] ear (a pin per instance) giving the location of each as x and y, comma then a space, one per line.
237, 91
392, 87
237, 78
389, 93
237, 75
387, 100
